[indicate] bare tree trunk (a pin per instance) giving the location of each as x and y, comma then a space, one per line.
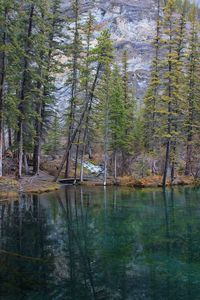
76, 158
188, 167
20, 150
167, 155
173, 162
36, 156
82, 160
4, 140
26, 164
85, 135
37, 142
115, 166
105, 169
67, 168
9, 137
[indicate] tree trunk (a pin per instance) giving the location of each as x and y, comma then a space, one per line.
9, 137
115, 166
26, 165
4, 140
20, 150
37, 141
188, 167
67, 168
76, 158
2, 82
82, 160
85, 135
167, 155
105, 169
36, 156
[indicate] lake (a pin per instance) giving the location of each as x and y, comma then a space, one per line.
101, 243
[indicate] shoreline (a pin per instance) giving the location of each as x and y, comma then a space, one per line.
145, 182
43, 183
11, 187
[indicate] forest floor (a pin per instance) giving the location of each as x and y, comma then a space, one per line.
37, 184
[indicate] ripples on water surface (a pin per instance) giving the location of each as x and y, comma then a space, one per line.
99, 243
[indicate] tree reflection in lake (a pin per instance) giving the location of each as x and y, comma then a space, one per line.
101, 243
25, 255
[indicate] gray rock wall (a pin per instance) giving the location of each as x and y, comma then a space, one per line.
132, 25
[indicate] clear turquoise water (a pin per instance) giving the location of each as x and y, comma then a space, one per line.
99, 243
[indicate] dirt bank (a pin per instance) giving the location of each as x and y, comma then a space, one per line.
10, 187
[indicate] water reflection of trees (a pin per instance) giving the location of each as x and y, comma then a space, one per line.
122, 245
101, 244
23, 249
172, 249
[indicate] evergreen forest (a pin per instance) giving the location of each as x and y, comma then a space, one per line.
66, 93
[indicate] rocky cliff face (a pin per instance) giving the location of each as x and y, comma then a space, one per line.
132, 24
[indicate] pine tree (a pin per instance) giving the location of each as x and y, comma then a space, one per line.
129, 111
117, 116
170, 91
104, 53
52, 143
193, 75
73, 80
26, 21
164, 102
152, 97
4, 9
86, 80
179, 84
100, 56
50, 26
8, 61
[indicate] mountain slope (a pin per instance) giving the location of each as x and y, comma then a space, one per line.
132, 25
